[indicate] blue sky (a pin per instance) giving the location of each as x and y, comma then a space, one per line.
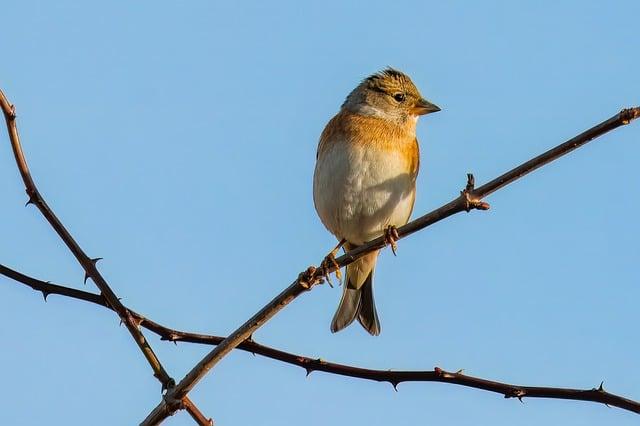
177, 140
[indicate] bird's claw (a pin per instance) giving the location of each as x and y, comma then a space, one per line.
391, 237
328, 262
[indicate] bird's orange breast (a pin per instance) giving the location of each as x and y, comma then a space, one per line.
373, 133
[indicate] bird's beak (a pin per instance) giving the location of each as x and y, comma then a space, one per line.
423, 107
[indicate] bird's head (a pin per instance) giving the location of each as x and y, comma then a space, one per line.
388, 94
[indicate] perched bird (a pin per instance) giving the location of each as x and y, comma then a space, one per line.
364, 183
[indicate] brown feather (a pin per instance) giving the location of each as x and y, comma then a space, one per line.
376, 133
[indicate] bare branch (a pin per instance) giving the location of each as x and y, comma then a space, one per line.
87, 263
195, 413
176, 396
469, 199
311, 365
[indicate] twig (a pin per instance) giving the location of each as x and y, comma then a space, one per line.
469, 199
87, 263
311, 365
176, 397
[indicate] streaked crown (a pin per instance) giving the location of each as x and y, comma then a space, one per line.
390, 81
388, 94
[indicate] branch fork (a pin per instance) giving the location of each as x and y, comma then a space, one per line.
89, 265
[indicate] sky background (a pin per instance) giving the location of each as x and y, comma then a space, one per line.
177, 140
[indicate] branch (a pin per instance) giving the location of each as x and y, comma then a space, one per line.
469, 199
176, 397
87, 263
311, 365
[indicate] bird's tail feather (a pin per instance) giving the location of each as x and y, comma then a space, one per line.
357, 297
347, 309
367, 315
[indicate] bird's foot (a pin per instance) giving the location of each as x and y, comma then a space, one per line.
391, 237
327, 263
330, 262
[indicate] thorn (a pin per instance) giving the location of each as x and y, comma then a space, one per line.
608, 406
172, 337
516, 393
309, 371
470, 201
170, 384
395, 385
86, 274
33, 196
471, 182
601, 388
461, 371
45, 294
121, 322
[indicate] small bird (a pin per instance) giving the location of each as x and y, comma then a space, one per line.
364, 184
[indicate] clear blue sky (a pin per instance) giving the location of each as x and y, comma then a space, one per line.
177, 140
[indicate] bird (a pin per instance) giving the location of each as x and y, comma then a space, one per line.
364, 183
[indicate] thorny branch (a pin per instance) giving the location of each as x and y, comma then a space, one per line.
310, 364
469, 199
87, 263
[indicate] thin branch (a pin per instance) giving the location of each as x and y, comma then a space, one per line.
468, 200
195, 413
175, 398
87, 263
311, 365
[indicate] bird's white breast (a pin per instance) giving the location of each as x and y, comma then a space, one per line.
359, 191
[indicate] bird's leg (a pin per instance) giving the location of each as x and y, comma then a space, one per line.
391, 237
330, 260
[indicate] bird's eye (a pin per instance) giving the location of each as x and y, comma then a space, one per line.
400, 97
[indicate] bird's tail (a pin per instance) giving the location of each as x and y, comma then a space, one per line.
357, 297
